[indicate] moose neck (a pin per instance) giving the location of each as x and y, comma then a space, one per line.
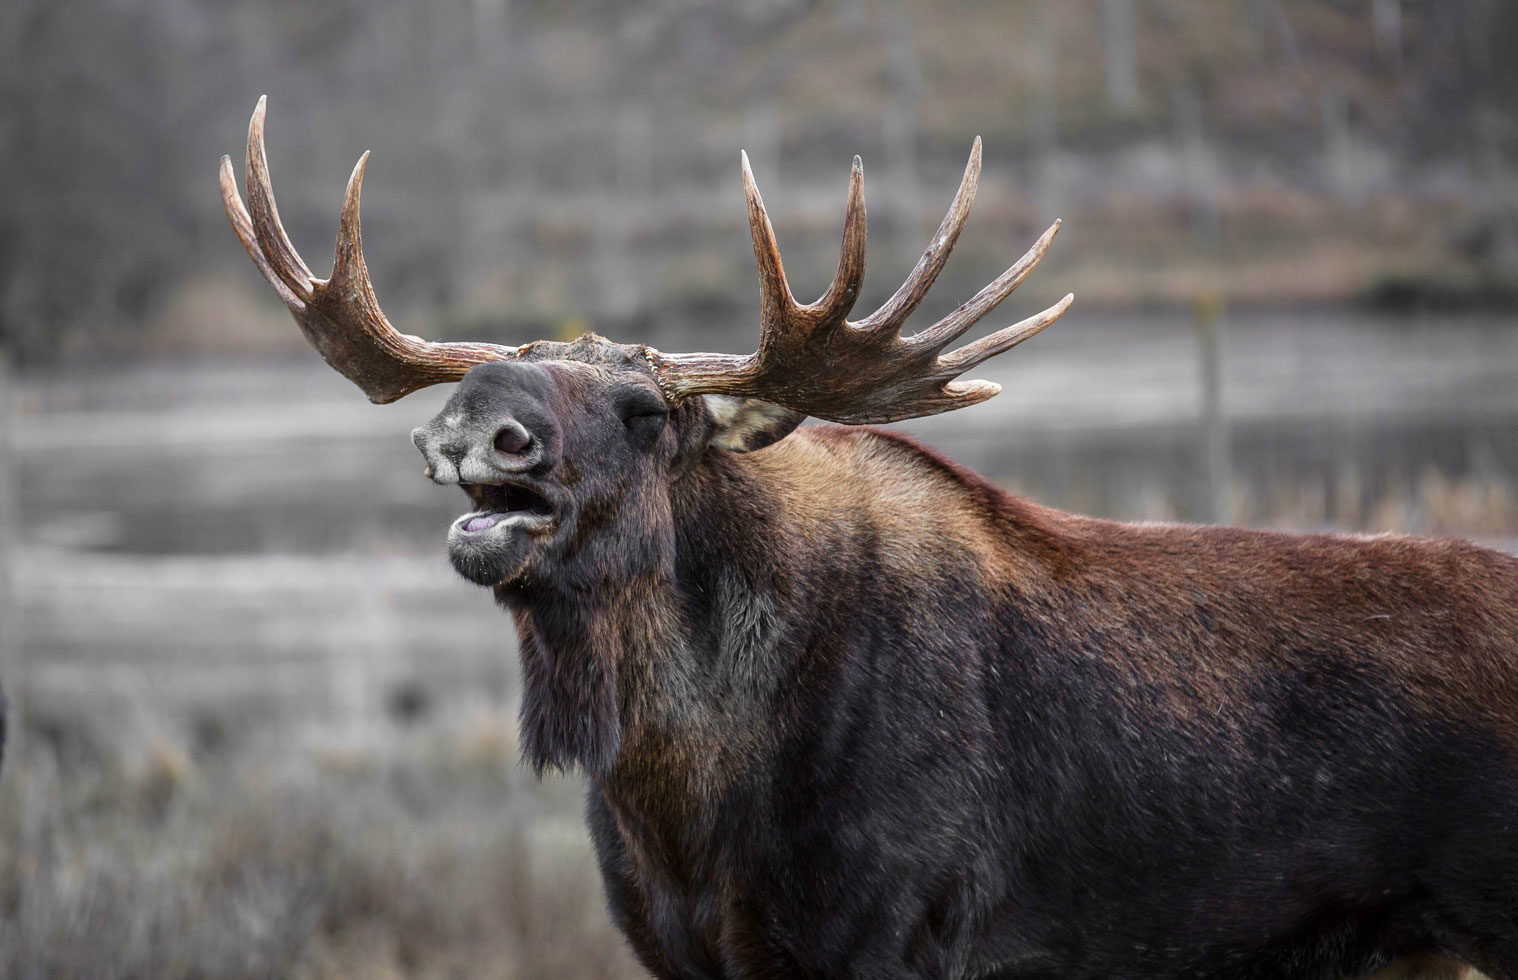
663, 667
575, 651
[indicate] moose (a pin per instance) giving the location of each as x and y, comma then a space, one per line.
846, 709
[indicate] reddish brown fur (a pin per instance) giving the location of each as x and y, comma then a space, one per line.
1436, 615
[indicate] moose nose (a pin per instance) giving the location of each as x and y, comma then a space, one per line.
459, 449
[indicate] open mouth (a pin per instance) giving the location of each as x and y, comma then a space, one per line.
499, 504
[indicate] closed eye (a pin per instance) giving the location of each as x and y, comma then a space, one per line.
639, 405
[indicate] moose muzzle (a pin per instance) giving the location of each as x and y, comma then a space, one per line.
495, 428
458, 450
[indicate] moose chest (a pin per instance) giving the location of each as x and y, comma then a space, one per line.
783, 865
675, 868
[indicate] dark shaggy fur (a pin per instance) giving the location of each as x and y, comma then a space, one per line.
847, 710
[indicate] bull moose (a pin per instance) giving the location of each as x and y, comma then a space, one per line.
846, 709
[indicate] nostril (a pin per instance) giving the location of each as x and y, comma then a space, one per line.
512, 438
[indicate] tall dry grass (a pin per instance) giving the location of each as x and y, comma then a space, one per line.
438, 858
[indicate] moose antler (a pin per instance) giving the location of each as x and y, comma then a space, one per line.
814, 360
811, 358
339, 315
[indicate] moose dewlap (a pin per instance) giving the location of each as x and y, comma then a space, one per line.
846, 709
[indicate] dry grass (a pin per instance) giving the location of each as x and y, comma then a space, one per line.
443, 860
1479, 507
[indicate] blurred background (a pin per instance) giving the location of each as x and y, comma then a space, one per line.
259, 727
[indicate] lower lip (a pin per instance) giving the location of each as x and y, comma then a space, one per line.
476, 524
483, 522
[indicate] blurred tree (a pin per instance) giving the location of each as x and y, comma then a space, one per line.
1118, 48
495, 126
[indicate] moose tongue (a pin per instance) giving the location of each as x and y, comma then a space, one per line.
482, 522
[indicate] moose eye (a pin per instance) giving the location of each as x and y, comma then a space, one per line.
643, 413
638, 403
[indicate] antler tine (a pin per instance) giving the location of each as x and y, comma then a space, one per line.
340, 316
894, 312
275, 244
350, 284
774, 291
843, 292
242, 224
349, 270
969, 313
962, 394
778, 302
963, 358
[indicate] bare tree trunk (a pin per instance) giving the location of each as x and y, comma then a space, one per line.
1386, 22
1200, 163
761, 141
1217, 440
492, 19
1271, 20
13, 668
615, 262
899, 130
1044, 55
1201, 168
1118, 51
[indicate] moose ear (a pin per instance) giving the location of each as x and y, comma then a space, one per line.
746, 424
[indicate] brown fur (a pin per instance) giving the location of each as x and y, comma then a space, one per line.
1177, 587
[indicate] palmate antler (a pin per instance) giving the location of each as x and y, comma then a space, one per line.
811, 358
814, 360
